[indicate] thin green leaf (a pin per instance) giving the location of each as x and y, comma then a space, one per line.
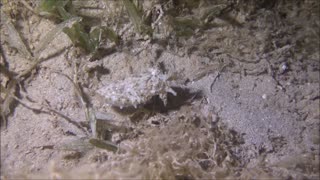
53, 8
103, 144
15, 39
80, 145
136, 17
79, 37
134, 14
102, 32
54, 32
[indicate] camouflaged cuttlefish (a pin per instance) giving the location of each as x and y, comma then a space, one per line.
137, 90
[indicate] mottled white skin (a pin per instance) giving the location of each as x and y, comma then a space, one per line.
137, 90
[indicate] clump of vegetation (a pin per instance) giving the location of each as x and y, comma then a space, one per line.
89, 41
69, 22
